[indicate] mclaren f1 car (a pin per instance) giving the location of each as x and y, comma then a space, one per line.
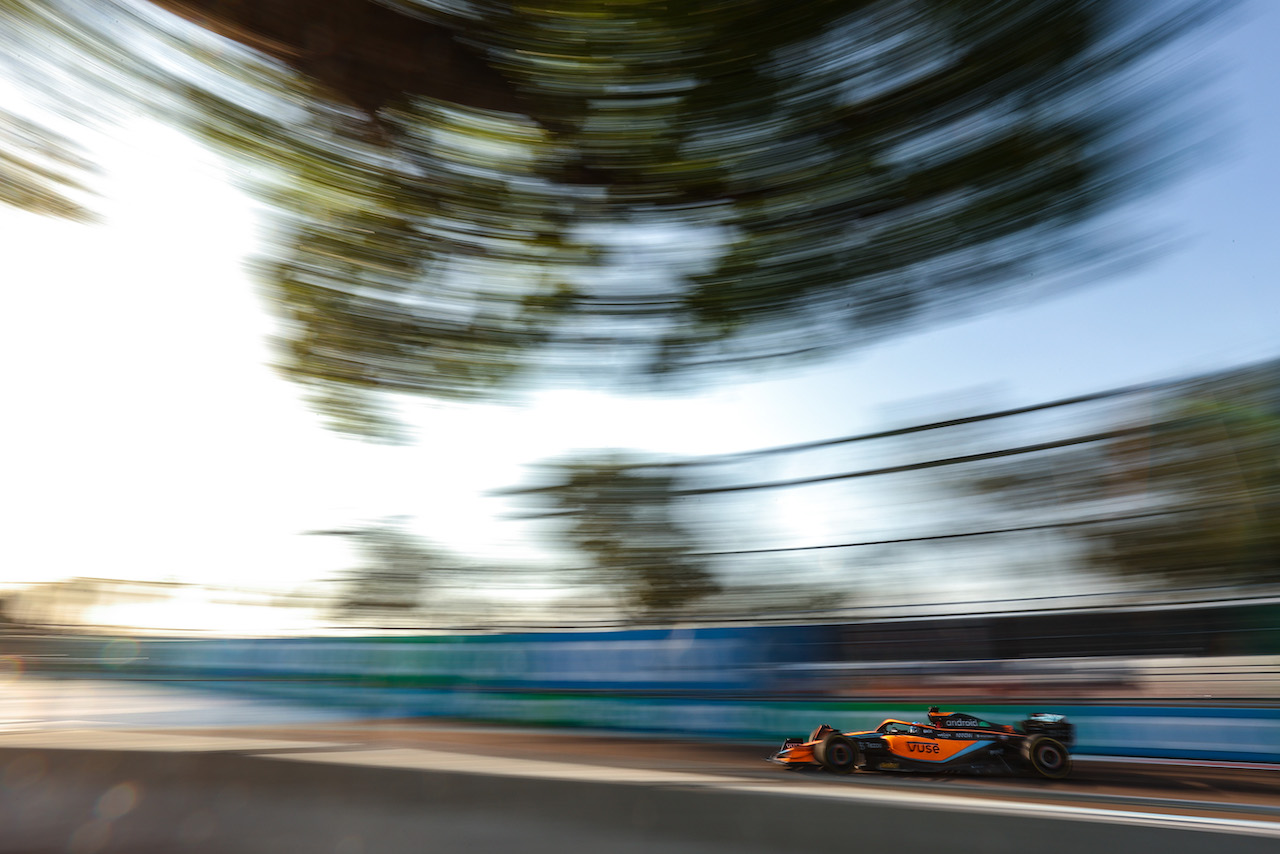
950, 742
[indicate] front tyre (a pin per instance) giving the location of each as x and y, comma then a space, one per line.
836, 753
1047, 757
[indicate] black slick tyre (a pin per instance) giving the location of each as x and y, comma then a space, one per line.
1047, 757
836, 753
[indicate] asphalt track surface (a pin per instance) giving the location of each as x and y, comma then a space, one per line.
1211, 790
123, 775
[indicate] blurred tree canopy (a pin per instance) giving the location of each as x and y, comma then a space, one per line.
470, 195
395, 572
624, 517
41, 170
1194, 487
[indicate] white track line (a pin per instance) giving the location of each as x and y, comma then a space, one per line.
434, 760
1025, 809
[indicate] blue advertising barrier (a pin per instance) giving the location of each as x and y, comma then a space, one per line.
693, 660
709, 682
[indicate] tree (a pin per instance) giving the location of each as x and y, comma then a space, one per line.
460, 189
626, 519
1188, 492
395, 571
40, 170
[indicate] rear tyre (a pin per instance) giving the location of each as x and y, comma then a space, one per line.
836, 753
1047, 757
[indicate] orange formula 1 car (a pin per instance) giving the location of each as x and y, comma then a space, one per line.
949, 742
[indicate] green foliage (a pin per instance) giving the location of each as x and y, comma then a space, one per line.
1194, 490
625, 518
40, 170
1220, 455
469, 198
395, 572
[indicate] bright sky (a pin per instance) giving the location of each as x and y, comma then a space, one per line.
145, 438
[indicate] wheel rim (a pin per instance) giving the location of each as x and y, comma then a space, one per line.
840, 754
1050, 757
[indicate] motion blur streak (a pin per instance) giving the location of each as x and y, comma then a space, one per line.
457, 188
472, 200
1160, 496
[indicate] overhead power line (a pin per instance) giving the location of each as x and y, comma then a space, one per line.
720, 459
1018, 529
925, 464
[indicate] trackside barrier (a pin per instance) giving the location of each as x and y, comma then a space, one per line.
1204, 733
706, 682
